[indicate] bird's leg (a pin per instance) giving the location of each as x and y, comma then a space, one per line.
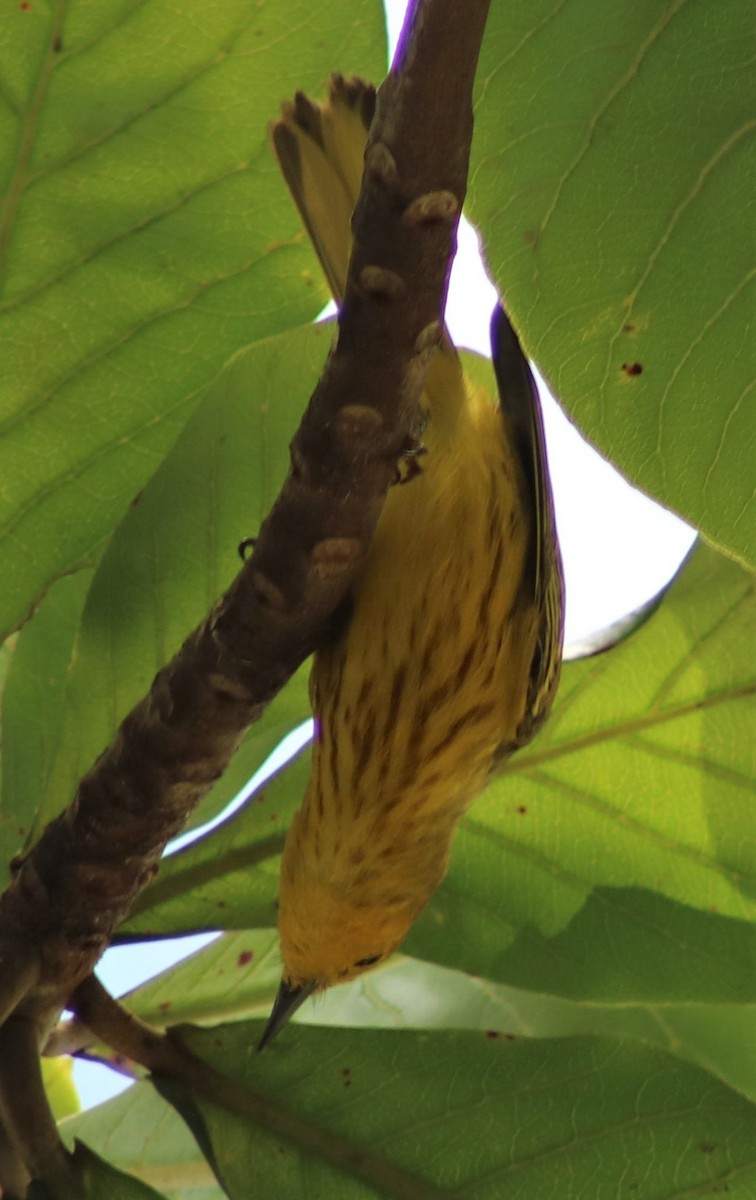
408, 467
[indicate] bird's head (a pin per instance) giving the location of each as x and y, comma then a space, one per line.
336, 920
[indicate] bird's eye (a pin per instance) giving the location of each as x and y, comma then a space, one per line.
368, 962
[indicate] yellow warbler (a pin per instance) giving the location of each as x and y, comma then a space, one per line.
451, 657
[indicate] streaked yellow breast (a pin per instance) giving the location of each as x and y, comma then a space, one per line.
429, 678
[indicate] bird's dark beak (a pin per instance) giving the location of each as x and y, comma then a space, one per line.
286, 1004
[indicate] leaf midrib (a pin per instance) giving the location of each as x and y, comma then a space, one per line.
624, 728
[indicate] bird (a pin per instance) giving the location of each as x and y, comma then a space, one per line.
450, 657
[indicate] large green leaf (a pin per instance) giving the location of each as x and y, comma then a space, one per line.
236, 977
140, 1133
427, 1115
33, 709
144, 238
60, 1089
101, 1179
499, 1112
612, 179
228, 979
169, 561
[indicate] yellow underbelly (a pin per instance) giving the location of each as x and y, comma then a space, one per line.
429, 679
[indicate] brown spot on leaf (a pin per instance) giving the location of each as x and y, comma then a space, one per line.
245, 958
632, 369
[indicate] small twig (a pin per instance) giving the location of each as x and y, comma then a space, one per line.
19, 971
69, 1037
77, 1040
25, 1112
14, 1177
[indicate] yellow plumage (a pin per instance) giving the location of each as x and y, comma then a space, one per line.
451, 656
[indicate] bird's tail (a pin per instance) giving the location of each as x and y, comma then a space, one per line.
320, 149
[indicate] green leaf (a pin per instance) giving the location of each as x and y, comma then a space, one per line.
138, 1132
57, 1074
612, 181
145, 236
33, 709
97, 1179
432, 1082
422, 1115
234, 976
102, 1179
237, 976
169, 561
409, 994
629, 942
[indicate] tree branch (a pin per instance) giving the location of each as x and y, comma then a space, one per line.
19, 972
81, 878
27, 1122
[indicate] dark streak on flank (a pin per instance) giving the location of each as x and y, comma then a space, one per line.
397, 695
451, 625
363, 694
494, 515
393, 801
426, 659
473, 716
427, 707
397, 688
464, 666
336, 691
319, 802
488, 680
333, 757
493, 580
412, 763
367, 742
